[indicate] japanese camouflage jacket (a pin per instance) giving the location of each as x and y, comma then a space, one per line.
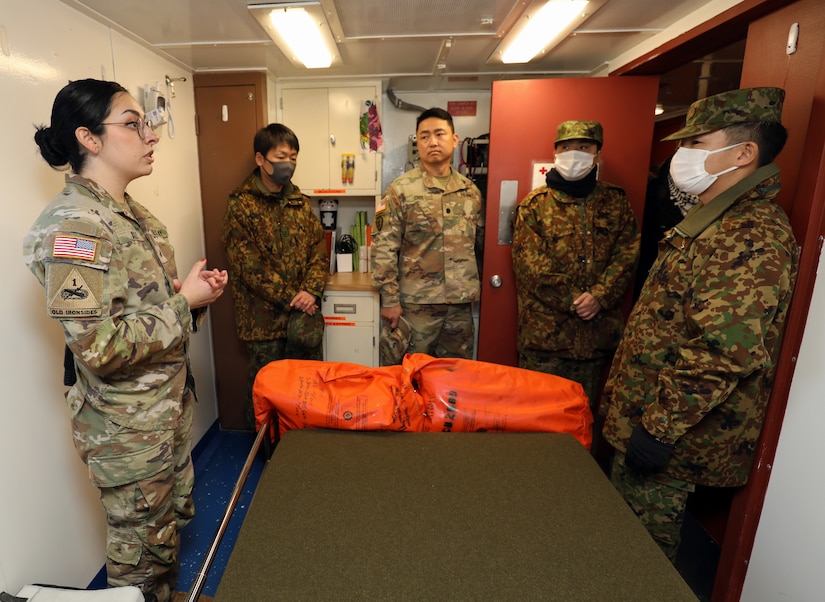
427, 239
564, 246
276, 248
107, 269
697, 361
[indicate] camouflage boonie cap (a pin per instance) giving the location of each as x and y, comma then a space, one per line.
585, 130
304, 331
394, 342
748, 105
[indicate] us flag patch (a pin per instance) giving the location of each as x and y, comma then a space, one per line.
74, 248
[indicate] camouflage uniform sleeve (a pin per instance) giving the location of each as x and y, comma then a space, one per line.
616, 277
480, 225
247, 260
122, 341
532, 264
103, 328
386, 246
735, 298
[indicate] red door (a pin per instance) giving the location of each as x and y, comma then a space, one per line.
523, 119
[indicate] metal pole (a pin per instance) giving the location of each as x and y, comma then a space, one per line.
200, 577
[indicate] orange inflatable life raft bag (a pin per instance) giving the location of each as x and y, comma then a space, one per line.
423, 394
336, 395
470, 396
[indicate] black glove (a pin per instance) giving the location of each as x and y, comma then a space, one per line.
645, 453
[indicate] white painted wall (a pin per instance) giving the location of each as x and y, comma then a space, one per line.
52, 528
398, 124
789, 549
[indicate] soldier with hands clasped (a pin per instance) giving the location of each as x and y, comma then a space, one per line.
575, 248
111, 283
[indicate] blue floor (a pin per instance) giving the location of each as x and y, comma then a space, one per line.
219, 458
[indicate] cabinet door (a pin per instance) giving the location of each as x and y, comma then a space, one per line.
345, 131
327, 123
306, 112
353, 344
352, 327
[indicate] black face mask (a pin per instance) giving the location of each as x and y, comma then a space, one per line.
281, 171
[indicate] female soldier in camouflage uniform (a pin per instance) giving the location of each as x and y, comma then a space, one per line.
110, 279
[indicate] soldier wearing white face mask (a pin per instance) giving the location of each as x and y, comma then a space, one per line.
575, 248
688, 390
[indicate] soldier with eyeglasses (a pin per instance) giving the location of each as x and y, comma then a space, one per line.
111, 283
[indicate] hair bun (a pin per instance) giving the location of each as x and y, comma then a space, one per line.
50, 149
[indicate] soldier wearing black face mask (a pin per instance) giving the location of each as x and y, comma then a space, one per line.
276, 252
282, 170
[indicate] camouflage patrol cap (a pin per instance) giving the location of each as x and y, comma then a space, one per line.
394, 342
584, 130
748, 105
304, 331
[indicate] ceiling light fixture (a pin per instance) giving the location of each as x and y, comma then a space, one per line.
541, 27
301, 31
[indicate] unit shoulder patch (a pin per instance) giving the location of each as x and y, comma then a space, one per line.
73, 292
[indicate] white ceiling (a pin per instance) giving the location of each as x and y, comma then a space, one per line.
410, 44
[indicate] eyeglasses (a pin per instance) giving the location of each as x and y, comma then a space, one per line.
139, 125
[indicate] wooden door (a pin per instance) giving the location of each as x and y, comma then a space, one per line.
523, 119
229, 110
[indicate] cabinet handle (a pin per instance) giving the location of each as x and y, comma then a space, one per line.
332, 139
343, 308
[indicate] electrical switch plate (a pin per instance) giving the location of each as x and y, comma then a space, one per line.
412, 150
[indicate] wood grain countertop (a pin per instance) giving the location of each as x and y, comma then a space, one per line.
350, 281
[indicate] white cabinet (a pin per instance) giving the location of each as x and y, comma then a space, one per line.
327, 123
352, 326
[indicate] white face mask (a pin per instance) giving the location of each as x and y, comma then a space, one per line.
687, 168
574, 165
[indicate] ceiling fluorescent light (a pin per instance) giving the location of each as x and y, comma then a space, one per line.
542, 27
301, 32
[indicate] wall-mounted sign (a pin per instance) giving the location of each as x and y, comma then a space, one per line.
461, 108
540, 169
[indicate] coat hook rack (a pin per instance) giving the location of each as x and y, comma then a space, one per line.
170, 82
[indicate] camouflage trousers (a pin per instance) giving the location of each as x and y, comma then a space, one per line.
145, 480
588, 372
260, 354
441, 330
658, 501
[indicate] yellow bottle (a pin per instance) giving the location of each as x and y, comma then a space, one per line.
350, 168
